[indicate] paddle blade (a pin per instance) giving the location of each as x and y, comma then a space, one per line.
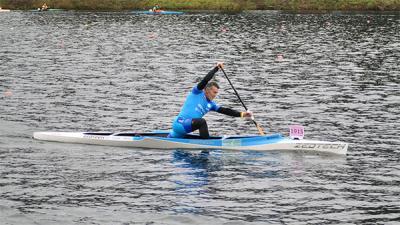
259, 128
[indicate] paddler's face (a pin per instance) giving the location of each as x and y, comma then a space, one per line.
211, 92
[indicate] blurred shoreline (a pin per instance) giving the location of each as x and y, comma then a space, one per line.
232, 6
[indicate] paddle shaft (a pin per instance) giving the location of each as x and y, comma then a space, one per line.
260, 130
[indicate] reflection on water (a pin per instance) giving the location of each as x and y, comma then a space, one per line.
337, 74
199, 165
194, 177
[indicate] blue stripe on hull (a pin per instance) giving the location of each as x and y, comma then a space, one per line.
157, 13
230, 141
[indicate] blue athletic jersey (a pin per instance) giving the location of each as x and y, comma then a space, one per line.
197, 105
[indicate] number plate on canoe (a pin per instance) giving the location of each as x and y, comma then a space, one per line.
296, 132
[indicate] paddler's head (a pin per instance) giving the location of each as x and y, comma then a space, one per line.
211, 90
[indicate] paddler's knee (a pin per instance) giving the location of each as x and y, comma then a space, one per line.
201, 125
197, 123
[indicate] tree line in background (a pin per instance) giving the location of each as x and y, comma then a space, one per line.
223, 5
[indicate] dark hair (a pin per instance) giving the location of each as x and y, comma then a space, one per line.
212, 84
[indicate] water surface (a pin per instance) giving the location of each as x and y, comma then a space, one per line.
336, 74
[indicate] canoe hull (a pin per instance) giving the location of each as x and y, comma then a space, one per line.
158, 13
239, 143
48, 10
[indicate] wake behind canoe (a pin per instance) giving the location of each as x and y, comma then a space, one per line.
159, 140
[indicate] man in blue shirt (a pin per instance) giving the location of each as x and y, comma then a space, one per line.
197, 104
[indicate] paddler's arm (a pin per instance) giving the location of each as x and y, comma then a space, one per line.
209, 76
234, 113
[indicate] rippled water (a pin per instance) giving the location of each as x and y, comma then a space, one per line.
337, 74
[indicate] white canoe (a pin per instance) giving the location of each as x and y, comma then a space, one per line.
159, 140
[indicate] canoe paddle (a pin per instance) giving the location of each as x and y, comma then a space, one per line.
260, 130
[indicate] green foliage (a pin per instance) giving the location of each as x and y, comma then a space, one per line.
332, 4
221, 5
